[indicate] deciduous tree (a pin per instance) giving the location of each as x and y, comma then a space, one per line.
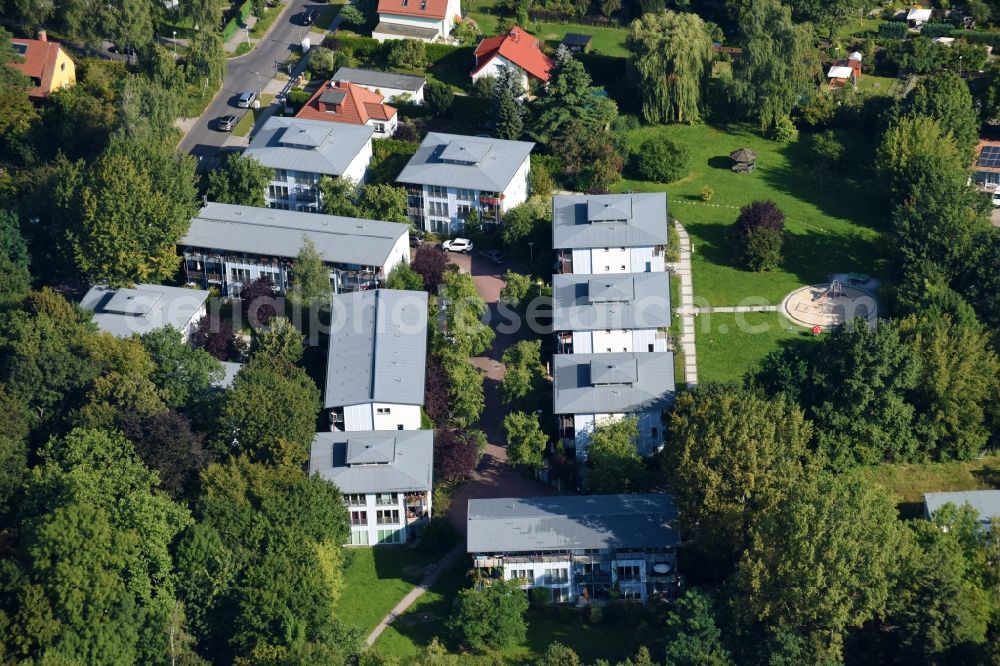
404, 277
524, 371
758, 236
692, 633
310, 277
613, 461
279, 339
239, 180
180, 371
526, 443
491, 615
430, 262
945, 97
662, 160
216, 337
456, 453
168, 445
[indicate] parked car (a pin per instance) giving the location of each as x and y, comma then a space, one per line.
996, 199
309, 16
227, 123
416, 238
246, 98
458, 245
492, 256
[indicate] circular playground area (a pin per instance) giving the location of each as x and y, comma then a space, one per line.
829, 305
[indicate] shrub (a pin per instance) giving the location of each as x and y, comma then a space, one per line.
405, 132
438, 97
706, 193
758, 236
483, 87
933, 30
893, 30
297, 97
784, 130
539, 181
407, 53
438, 535
661, 160
351, 15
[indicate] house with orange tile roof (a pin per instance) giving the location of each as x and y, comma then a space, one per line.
517, 49
424, 20
345, 102
46, 63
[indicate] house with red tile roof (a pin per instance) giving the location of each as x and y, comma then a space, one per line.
517, 49
46, 63
424, 20
345, 102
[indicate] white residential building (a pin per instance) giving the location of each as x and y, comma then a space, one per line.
385, 477
396, 88
579, 548
450, 175
300, 152
423, 20
144, 308
228, 245
610, 233
517, 50
377, 359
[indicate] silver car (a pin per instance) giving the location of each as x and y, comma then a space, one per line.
245, 99
227, 123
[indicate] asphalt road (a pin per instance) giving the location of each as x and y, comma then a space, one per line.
241, 74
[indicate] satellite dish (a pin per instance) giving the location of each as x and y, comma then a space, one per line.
661, 568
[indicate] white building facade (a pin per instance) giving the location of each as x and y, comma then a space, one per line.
424, 20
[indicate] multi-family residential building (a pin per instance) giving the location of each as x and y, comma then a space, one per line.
377, 358
425, 20
517, 50
985, 502
300, 152
385, 477
628, 312
346, 102
144, 308
986, 165
610, 233
582, 549
589, 389
46, 63
228, 245
451, 175
397, 88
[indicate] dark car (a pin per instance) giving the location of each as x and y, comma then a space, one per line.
227, 123
492, 256
309, 16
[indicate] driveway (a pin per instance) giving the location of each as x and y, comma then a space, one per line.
494, 477
996, 217
267, 55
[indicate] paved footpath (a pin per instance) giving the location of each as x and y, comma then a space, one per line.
687, 310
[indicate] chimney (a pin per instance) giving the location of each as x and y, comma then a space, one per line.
43, 36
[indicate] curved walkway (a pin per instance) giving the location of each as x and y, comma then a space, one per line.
687, 310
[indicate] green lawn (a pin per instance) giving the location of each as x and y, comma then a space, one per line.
326, 16
731, 344
262, 24
910, 482
376, 579
607, 41
425, 620
246, 123
831, 219
243, 49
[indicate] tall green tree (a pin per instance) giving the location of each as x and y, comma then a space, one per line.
524, 371
526, 443
19, 112
180, 371
776, 67
466, 396
945, 97
670, 61
240, 180
692, 635
731, 454
206, 60
508, 116
613, 461
463, 329
381, 201
569, 96
279, 339
820, 561
404, 277
310, 277
490, 615
270, 412
912, 146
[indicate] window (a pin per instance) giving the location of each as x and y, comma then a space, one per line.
521, 574
654, 431
560, 595
607, 249
277, 191
463, 211
389, 536
280, 174
607, 268
382, 410
628, 573
240, 274
439, 208
464, 195
556, 576
387, 517
380, 127
437, 191
399, 426
632, 595
387, 499
355, 499
650, 347
623, 267
359, 537
359, 517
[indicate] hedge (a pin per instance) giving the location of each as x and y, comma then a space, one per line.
234, 23
978, 37
893, 30
933, 30
230, 30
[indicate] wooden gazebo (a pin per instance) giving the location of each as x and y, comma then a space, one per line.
745, 160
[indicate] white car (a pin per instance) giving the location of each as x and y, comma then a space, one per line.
996, 199
458, 245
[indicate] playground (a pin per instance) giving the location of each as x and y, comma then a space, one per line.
829, 305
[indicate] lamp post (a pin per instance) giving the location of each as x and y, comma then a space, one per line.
259, 91
246, 30
531, 250
175, 45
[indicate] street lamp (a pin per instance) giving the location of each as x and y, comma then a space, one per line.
259, 91
531, 249
175, 44
246, 29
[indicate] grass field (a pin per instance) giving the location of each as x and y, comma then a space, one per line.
375, 581
731, 344
426, 620
831, 220
245, 124
607, 41
910, 482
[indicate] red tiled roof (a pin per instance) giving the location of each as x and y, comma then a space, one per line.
520, 48
358, 106
39, 63
430, 8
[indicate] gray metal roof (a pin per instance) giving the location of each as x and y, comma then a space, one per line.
610, 301
470, 162
278, 233
374, 79
511, 525
609, 220
123, 312
378, 348
312, 146
403, 30
404, 463
229, 369
985, 502
617, 383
